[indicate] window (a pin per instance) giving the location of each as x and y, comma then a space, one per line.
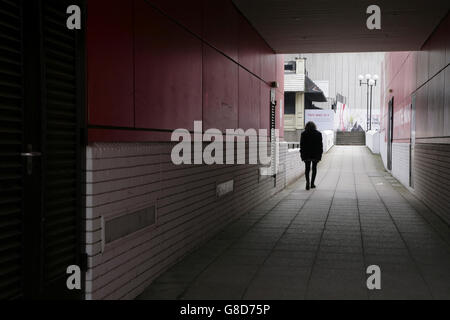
290, 67
289, 102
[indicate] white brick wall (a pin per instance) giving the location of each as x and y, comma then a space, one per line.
383, 148
123, 178
373, 141
400, 162
294, 166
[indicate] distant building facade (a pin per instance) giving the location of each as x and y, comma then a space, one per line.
300, 93
337, 75
294, 98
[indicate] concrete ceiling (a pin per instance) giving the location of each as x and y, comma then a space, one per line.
314, 26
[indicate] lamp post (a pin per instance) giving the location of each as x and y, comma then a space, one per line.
371, 81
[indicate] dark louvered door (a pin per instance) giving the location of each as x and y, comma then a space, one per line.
42, 103
11, 144
61, 110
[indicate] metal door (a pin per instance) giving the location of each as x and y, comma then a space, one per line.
390, 133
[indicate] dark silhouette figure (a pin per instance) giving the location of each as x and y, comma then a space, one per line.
311, 149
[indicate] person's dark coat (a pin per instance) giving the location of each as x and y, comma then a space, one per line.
311, 146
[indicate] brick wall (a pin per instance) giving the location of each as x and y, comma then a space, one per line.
432, 177
123, 178
383, 148
294, 166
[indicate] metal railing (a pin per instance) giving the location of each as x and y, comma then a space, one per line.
293, 145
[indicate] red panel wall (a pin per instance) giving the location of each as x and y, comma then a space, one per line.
221, 27
159, 65
268, 64
436, 46
249, 100
435, 117
423, 74
110, 63
400, 72
447, 102
382, 100
280, 113
250, 47
187, 13
422, 110
168, 72
220, 91
279, 65
422, 68
264, 115
280, 92
445, 27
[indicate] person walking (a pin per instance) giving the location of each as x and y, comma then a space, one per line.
311, 149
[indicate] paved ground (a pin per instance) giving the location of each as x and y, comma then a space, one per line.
317, 244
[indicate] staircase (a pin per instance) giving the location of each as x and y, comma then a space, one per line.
351, 138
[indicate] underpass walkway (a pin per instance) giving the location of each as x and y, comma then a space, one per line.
317, 244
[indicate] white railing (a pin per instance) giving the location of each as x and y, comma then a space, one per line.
293, 145
373, 141
327, 140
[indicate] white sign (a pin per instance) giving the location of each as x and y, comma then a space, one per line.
324, 119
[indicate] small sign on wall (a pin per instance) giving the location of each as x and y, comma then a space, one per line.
225, 188
324, 119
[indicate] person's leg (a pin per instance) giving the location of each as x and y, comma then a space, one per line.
314, 172
307, 170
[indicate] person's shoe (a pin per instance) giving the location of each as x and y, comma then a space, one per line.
313, 186
307, 186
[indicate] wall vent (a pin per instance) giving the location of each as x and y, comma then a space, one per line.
225, 188
127, 224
